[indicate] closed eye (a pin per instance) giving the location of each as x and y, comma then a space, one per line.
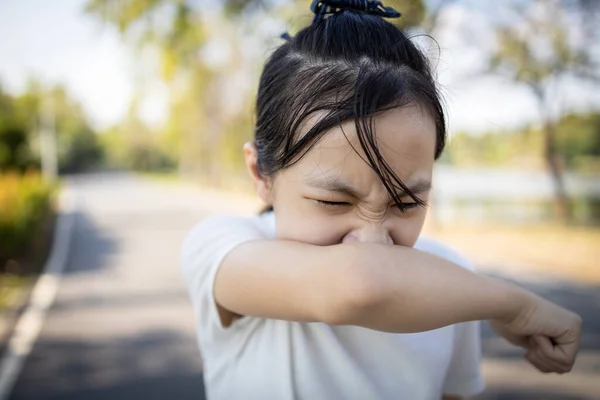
410, 205
325, 203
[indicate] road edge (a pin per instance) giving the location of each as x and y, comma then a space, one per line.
30, 322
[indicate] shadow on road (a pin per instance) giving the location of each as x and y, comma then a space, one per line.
153, 365
513, 394
90, 246
110, 334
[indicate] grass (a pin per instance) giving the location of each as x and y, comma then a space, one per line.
23, 268
21, 273
11, 289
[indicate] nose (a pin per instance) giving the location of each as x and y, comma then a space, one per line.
369, 234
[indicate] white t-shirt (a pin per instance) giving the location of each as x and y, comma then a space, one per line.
264, 359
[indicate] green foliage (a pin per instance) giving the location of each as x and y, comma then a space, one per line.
172, 26
14, 146
133, 146
11, 286
578, 140
494, 149
24, 202
122, 13
537, 47
19, 131
578, 144
236, 132
78, 147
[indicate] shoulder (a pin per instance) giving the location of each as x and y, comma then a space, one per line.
442, 250
211, 228
210, 239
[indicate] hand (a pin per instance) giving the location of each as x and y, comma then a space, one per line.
550, 333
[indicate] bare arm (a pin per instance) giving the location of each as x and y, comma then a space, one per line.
383, 287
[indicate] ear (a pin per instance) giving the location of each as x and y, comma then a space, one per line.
262, 184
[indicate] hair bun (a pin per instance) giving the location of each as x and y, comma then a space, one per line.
321, 8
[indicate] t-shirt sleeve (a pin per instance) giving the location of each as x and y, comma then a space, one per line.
202, 252
464, 377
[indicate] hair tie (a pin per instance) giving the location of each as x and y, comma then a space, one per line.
286, 36
321, 8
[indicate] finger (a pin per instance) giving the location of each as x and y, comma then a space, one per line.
567, 353
568, 343
536, 361
552, 355
548, 364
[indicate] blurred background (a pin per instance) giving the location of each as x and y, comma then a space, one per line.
122, 124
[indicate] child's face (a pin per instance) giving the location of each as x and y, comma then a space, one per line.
333, 172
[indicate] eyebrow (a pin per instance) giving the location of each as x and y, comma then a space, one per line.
344, 187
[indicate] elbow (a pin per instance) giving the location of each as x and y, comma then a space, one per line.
355, 290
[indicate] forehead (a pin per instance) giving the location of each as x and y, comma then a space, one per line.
405, 138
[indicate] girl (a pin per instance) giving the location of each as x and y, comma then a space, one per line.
332, 293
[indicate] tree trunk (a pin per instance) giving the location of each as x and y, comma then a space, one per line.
562, 203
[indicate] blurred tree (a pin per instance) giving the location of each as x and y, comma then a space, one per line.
177, 31
519, 148
185, 34
14, 149
78, 147
578, 140
133, 145
19, 128
539, 48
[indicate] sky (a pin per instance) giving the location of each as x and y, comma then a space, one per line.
57, 43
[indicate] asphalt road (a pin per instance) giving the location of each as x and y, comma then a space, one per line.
121, 326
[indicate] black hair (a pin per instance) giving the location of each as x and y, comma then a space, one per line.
351, 65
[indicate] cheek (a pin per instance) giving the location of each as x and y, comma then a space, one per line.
303, 223
406, 230
309, 228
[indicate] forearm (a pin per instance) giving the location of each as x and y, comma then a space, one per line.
405, 290
382, 287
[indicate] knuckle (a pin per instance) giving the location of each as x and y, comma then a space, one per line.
577, 321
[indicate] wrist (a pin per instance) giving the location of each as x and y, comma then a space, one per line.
511, 300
